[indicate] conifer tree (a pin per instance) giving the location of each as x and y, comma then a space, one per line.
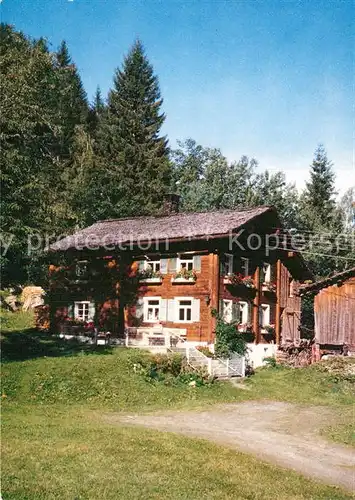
96, 111
38, 122
98, 104
320, 219
131, 155
318, 203
72, 103
27, 138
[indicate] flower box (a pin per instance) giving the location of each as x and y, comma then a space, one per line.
151, 280
239, 280
150, 276
184, 276
267, 330
183, 280
268, 287
244, 327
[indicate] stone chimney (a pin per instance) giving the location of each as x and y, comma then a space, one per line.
171, 204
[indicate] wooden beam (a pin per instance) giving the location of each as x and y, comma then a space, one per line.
256, 305
214, 293
278, 303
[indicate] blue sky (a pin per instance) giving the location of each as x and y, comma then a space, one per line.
269, 78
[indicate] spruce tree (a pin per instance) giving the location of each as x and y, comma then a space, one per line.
72, 103
132, 166
320, 219
96, 111
98, 104
318, 203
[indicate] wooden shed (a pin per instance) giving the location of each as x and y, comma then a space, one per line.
334, 312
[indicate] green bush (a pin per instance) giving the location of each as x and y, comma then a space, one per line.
229, 340
195, 378
169, 369
270, 362
205, 350
16, 321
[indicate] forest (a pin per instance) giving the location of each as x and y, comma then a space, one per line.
69, 160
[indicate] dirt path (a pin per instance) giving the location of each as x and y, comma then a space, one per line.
281, 433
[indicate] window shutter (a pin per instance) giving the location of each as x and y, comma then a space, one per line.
222, 265
163, 309
195, 310
70, 311
267, 315
220, 310
91, 311
141, 264
139, 308
235, 311
163, 266
171, 312
197, 263
249, 313
262, 273
172, 265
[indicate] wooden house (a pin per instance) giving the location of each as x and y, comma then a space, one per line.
174, 270
334, 313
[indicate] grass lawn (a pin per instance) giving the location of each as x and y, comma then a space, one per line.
54, 444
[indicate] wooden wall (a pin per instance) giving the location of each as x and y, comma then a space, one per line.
209, 288
248, 294
200, 289
290, 307
334, 309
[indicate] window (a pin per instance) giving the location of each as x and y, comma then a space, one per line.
264, 312
244, 266
81, 268
290, 287
152, 265
227, 310
151, 309
266, 273
184, 310
243, 312
228, 264
81, 310
186, 262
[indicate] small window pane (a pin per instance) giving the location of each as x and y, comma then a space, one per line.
244, 266
186, 262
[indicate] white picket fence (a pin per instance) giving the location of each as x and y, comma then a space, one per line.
172, 339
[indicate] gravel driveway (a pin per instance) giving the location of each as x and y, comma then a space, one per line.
281, 433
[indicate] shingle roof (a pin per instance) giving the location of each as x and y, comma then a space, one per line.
177, 226
332, 280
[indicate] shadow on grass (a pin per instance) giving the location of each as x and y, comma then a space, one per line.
31, 343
